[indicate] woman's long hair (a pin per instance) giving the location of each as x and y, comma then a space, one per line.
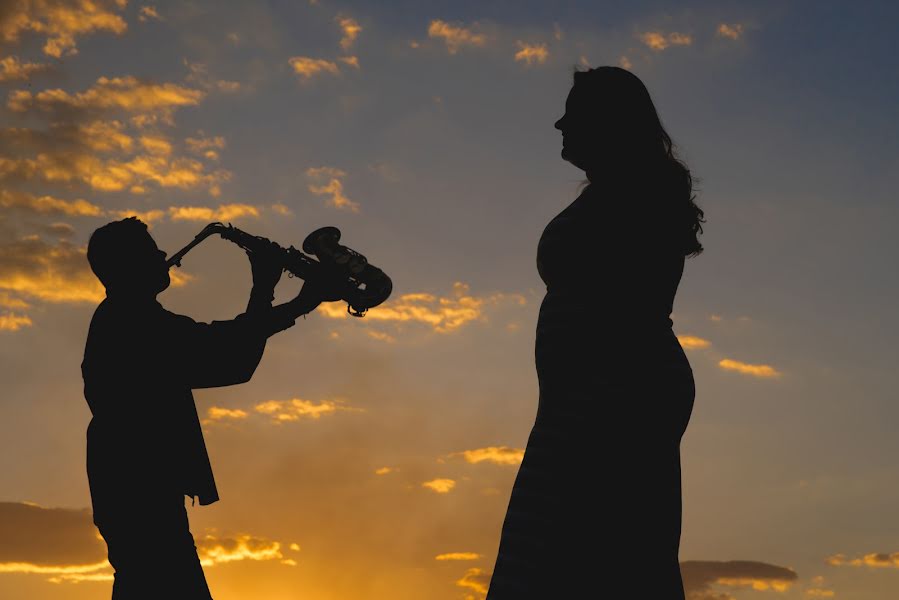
631, 128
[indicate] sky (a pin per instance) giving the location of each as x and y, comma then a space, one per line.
373, 458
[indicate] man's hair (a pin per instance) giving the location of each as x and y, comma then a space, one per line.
110, 248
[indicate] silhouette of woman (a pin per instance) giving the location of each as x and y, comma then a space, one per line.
596, 504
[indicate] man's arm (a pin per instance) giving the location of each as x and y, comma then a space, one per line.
227, 352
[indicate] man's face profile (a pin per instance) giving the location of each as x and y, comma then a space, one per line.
126, 259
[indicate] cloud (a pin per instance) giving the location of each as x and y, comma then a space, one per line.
47, 205
692, 342
498, 455
60, 21
60, 542
350, 29
217, 413
455, 36
873, 559
333, 187
531, 54
699, 576
282, 209
658, 41
148, 12
625, 63
440, 486
77, 147
733, 31
297, 409
214, 550
13, 70
14, 322
128, 94
307, 67
380, 335
441, 314
206, 146
224, 212
458, 556
384, 470
352, 61
476, 580
7, 301
112, 175
52, 272
764, 371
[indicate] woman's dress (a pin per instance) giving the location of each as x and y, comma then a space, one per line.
596, 505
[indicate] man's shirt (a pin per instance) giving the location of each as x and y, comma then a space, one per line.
140, 364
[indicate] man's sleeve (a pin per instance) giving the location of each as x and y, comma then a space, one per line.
222, 353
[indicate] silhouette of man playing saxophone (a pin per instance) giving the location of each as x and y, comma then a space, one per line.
145, 447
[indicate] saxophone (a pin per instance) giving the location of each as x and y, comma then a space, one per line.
366, 286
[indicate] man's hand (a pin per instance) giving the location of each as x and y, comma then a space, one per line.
266, 265
325, 288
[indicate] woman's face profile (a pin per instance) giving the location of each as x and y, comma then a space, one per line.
577, 129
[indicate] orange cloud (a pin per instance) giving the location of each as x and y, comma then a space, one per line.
148, 12
56, 273
458, 556
59, 542
156, 145
48, 205
217, 413
764, 371
208, 147
214, 550
691, 342
60, 22
531, 54
53, 273
282, 209
699, 576
350, 29
224, 212
476, 580
384, 470
733, 31
7, 301
14, 322
111, 93
455, 36
115, 175
440, 486
874, 559
11, 69
297, 409
498, 455
442, 314
333, 187
659, 41
352, 61
307, 67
